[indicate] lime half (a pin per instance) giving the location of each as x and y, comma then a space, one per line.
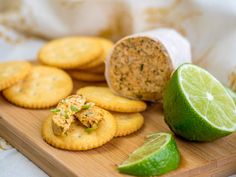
197, 106
158, 155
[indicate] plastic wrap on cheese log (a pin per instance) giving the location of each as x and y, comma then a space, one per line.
139, 66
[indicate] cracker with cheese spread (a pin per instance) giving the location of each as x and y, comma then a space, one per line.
78, 125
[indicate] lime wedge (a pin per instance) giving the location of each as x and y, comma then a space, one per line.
158, 155
197, 106
231, 93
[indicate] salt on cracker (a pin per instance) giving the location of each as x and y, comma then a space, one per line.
42, 88
106, 46
127, 123
86, 76
77, 138
12, 72
70, 52
105, 98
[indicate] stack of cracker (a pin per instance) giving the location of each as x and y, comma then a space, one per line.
124, 110
82, 57
30, 86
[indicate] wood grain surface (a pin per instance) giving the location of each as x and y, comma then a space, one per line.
21, 127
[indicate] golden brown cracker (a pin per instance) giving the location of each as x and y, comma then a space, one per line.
106, 46
42, 88
13, 71
70, 52
98, 69
105, 98
77, 137
127, 123
86, 76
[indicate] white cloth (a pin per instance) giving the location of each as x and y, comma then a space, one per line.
210, 26
13, 163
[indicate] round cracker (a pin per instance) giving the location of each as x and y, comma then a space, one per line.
105, 98
98, 69
86, 76
42, 88
13, 71
127, 123
70, 52
77, 138
106, 46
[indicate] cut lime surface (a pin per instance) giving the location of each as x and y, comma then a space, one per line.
197, 106
158, 155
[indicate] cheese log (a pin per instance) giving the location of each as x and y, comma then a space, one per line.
139, 66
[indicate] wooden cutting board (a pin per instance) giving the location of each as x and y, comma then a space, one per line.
21, 127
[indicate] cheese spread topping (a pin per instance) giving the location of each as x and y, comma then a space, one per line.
65, 114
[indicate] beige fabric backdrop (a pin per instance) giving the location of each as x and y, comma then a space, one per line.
210, 26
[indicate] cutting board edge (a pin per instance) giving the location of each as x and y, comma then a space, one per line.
52, 169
